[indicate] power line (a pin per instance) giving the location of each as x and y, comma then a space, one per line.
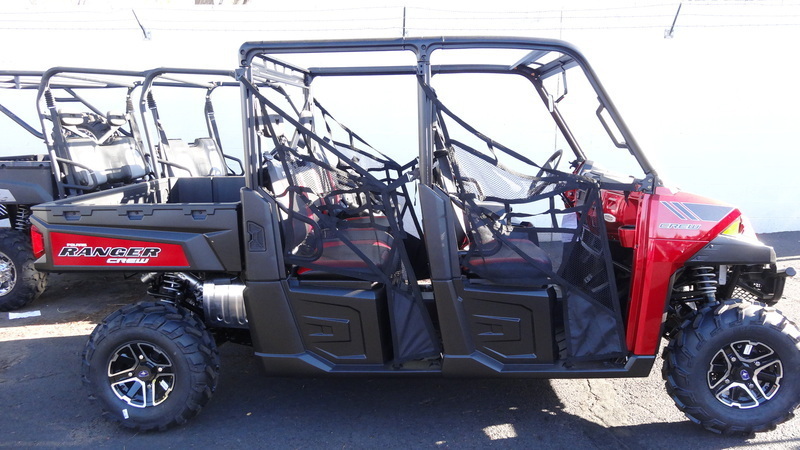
545, 10
695, 15
304, 20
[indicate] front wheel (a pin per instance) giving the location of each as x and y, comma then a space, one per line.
730, 368
151, 366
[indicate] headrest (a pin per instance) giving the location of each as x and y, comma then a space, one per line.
116, 119
306, 117
70, 119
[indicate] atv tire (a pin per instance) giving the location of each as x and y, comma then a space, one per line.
151, 365
20, 283
730, 368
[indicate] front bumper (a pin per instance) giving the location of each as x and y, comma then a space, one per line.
761, 283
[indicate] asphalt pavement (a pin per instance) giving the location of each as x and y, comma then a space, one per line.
45, 405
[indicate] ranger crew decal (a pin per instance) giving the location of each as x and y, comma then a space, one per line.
76, 250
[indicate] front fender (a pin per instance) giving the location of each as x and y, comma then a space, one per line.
731, 250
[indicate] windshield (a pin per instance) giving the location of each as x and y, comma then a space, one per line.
573, 97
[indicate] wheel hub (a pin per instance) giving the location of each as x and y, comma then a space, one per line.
144, 373
745, 374
141, 374
8, 275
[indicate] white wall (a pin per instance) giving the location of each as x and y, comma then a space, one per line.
715, 107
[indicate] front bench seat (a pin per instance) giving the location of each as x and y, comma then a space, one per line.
501, 263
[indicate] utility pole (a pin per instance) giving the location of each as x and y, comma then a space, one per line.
404, 22
668, 33
146, 33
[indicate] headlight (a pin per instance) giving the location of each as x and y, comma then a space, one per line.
741, 227
736, 228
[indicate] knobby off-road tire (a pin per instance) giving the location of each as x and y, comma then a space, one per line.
731, 368
20, 283
151, 366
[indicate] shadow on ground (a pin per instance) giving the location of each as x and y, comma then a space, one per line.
50, 408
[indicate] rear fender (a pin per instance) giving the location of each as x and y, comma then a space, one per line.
82, 248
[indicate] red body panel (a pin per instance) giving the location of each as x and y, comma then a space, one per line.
670, 229
79, 250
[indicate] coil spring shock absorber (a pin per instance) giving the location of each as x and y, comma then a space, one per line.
696, 287
697, 284
705, 283
169, 288
22, 218
176, 287
166, 286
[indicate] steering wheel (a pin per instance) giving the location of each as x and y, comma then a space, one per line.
551, 164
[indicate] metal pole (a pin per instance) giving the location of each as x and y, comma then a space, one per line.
251, 156
669, 32
425, 118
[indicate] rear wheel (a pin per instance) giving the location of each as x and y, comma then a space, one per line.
151, 366
20, 283
729, 368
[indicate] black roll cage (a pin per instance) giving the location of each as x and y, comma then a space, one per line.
171, 77
60, 85
67, 79
257, 63
23, 80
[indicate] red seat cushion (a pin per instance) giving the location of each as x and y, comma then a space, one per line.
338, 252
499, 262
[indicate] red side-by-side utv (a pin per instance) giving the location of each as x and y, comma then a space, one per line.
501, 249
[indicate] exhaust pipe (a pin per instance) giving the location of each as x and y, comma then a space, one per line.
223, 303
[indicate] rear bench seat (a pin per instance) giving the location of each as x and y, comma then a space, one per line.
306, 242
200, 158
104, 159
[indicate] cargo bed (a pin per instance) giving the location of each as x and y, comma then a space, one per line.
26, 180
187, 224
